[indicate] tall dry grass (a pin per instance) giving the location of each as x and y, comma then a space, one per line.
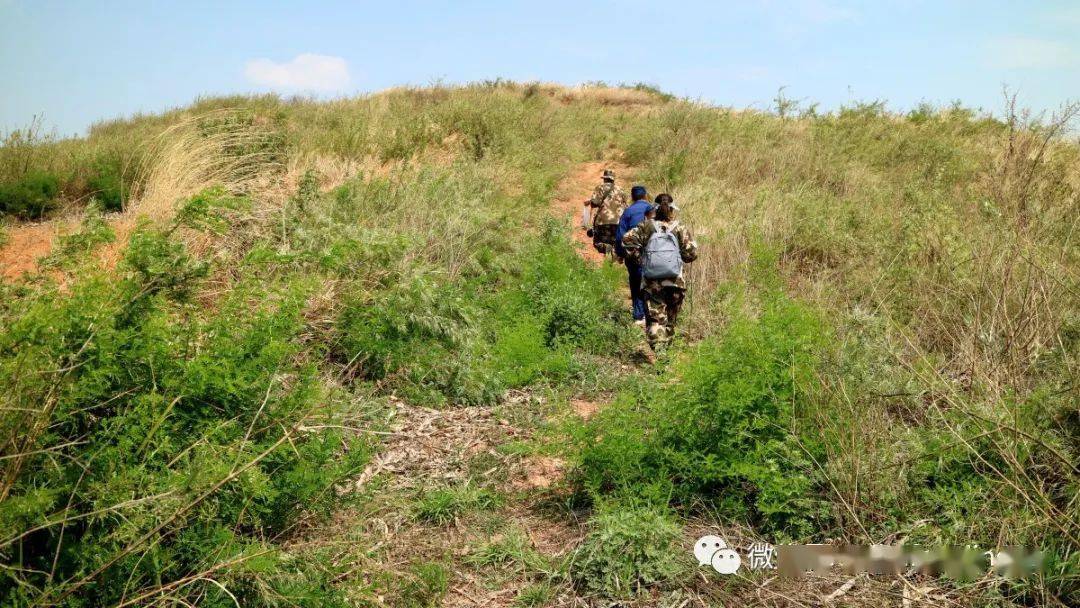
219, 148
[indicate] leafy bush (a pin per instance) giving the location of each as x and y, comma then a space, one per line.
629, 547
73, 248
576, 302
652, 89
435, 341
723, 432
170, 446
31, 197
109, 185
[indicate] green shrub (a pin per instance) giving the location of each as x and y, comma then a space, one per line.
407, 337
575, 302
723, 432
31, 197
628, 548
109, 185
184, 434
74, 248
521, 354
651, 89
436, 341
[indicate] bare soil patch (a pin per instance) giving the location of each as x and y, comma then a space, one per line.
584, 408
25, 243
541, 473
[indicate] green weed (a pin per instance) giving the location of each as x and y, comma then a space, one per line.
535, 596
426, 586
629, 548
511, 549
444, 505
109, 185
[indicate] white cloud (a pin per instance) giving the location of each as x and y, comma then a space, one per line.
1018, 52
306, 72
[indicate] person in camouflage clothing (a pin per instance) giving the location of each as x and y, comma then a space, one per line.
608, 202
663, 297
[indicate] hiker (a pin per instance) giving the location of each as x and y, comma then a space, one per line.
609, 201
661, 245
634, 215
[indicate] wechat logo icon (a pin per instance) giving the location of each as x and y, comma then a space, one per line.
713, 551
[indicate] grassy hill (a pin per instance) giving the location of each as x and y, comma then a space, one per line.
299, 353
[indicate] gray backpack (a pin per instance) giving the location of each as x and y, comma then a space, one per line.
662, 258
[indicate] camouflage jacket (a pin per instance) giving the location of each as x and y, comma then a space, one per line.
634, 240
609, 200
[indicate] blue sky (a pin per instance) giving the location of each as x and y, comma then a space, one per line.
79, 61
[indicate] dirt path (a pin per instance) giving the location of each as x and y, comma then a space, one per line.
418, 509
575, 189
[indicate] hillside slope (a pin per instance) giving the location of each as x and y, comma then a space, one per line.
357, 353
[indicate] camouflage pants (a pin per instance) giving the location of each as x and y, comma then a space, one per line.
604, 237
662, 306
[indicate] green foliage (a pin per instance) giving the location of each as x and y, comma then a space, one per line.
652, 89
162, 265
109, 184
73, 248
406, 336
185, 434
512, 549
724, 432
31, 197
535, 596
402, 322
629, 547
209, 210
425, 587
444, 505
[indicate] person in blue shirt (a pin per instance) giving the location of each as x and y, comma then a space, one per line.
637, 212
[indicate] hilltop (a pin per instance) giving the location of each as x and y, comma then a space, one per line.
266, 351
